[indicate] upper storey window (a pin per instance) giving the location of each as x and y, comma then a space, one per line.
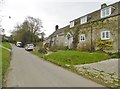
106, 12
71, 24
83, 20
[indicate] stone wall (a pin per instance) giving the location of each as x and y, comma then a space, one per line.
93, 31
119, 33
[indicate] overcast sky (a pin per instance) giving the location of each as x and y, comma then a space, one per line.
51, 12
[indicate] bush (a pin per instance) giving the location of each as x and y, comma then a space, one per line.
46, 45
104, 45
42, 50
114, 55
38, 46
62, 47
86, 46
55, 48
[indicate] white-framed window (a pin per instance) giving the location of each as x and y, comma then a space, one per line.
106, 12
105, 35
57, 35
83, 19
53, 39
71, 24
82, 37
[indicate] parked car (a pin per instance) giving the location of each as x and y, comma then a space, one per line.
19, 44
29, 47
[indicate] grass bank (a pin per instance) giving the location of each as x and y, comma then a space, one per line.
5, 59
0, 65
38, 54
73, 57
76, 57
6, 44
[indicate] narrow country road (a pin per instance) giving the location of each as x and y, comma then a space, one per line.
27, 70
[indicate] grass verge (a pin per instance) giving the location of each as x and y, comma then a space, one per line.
76, 57
5, 61
38, 54
0, 66
64, 58
6, 44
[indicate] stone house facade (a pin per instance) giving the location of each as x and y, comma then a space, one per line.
99, 30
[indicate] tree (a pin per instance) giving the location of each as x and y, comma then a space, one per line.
28, 31
35, 24
75, 37
42, 34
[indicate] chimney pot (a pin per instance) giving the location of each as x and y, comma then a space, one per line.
103, 5
56, 27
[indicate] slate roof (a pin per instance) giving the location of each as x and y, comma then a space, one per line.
61, 30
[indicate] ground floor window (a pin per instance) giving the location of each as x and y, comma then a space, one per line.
105, 35
82, 37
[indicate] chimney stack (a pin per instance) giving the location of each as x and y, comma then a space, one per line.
103, 5
56, 27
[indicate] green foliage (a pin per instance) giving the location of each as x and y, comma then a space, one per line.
39, 45
38, 54
42, 50
5, 58
114, 55
46, 45
55, 48
5, 61
6, 44
11, 39
76, 57
86, 46
75, 34
104, 44
28, 31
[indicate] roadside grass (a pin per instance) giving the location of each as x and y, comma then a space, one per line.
5, 61
0, 65
76, 57
38, 54
6, 44
71, 58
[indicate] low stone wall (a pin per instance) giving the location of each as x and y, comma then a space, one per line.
102, 71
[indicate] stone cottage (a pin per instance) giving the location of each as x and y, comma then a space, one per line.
99, 30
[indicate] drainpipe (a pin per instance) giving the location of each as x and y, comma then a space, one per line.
50, 44
91, 38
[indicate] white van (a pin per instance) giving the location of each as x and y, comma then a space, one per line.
19, 44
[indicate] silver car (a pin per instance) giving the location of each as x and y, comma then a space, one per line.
29, 47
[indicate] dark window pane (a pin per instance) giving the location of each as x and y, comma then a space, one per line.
103, 35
